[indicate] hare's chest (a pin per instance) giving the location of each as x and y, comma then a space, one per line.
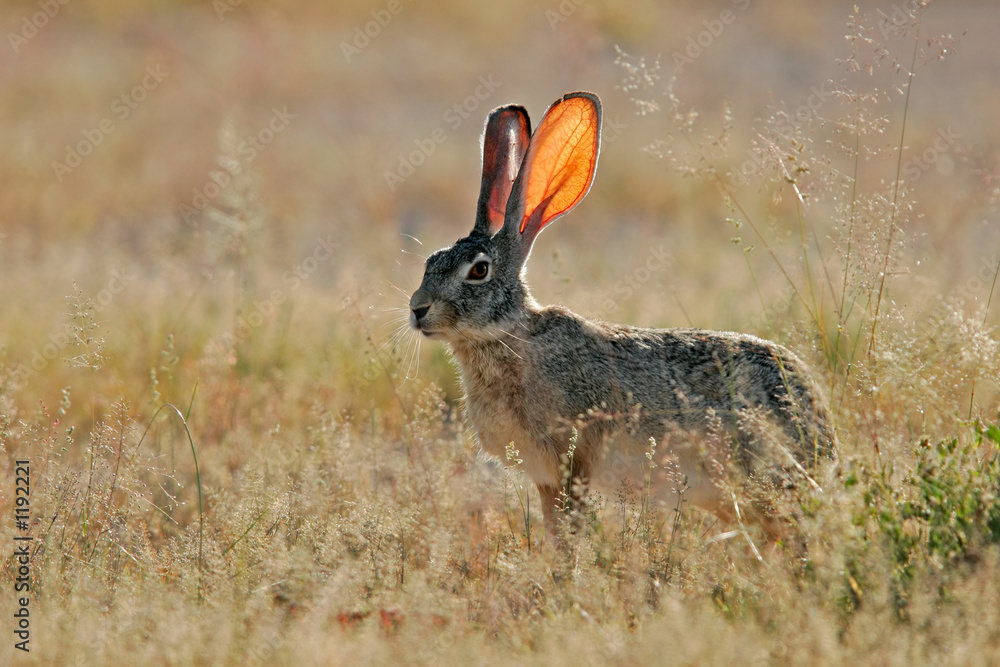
502, 422
497, 423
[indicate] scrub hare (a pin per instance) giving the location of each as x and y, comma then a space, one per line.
544, 377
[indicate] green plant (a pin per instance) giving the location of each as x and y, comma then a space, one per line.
945, 510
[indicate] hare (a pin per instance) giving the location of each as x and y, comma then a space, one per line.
589, 403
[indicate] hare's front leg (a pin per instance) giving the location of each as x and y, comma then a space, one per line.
558, 504
552, 507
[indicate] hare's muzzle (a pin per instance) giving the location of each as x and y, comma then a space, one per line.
420, 304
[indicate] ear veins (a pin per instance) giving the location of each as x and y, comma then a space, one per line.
561, 160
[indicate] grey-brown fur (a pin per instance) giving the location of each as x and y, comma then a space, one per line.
534, 375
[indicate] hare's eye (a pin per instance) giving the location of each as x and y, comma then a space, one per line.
479, 271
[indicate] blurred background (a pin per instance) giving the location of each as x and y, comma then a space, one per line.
234, 183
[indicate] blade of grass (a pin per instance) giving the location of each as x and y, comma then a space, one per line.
986, 314
197, 471
245, 532
895, 188
187, 415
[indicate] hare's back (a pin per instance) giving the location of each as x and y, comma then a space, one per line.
665, 370
720, 369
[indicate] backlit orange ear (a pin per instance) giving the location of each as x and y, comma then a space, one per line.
562, 157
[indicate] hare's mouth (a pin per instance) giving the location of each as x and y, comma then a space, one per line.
427, 323
422, 328
431, 334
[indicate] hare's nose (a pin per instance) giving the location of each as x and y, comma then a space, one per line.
420, 303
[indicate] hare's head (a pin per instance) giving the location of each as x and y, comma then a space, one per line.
474, 286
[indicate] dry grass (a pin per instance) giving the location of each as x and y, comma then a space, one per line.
338, 512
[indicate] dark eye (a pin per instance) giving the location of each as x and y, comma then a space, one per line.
479, 270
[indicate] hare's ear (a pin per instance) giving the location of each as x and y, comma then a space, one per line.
558, 168
505, 141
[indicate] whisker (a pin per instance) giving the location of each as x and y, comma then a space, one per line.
398, 289
504, 331
400, 318
395, 321
400, 313
510, 348
394, 338
404, 359
494, 335
414, 357
411, 356
415, 254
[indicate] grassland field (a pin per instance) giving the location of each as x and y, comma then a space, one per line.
233, 451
